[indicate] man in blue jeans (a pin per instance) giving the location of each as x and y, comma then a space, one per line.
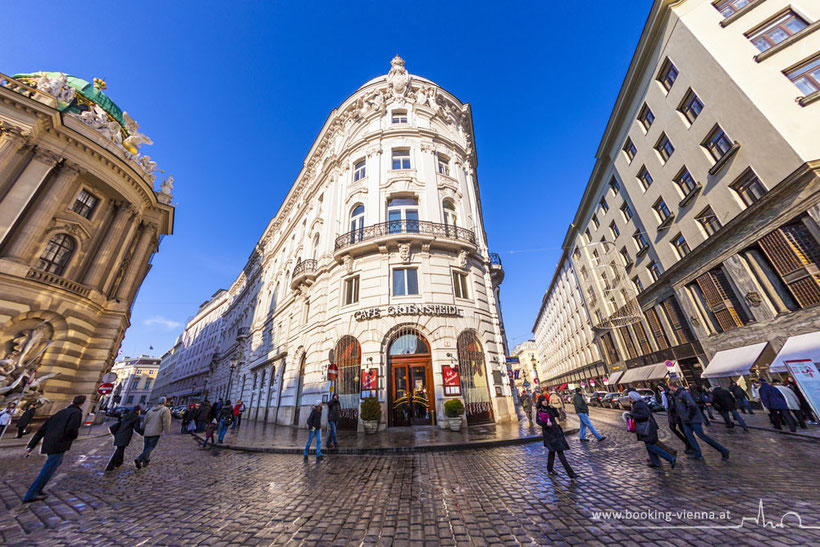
314, 424
333, 410
693, 422
582, 410
57, 433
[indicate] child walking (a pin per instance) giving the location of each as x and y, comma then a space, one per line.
210, 430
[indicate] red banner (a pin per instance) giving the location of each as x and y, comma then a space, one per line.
451, 377
370, 379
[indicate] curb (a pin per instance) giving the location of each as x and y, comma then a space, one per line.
388, 450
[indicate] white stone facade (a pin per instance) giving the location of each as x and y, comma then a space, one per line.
389, 186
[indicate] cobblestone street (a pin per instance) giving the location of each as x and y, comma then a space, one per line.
503, 495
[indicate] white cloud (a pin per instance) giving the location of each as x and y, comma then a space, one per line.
163, 322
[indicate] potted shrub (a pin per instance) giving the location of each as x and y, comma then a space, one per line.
371, 414
453, 409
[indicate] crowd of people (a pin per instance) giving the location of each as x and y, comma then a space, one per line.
212, 419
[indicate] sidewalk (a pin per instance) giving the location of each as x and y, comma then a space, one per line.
760, 420
280, 439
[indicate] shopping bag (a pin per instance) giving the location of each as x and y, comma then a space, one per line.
544, 417
630, 424
191, 426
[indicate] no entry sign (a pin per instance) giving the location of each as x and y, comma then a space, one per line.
332, 371
105, 389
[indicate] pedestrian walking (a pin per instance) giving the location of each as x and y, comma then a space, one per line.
557, 403
186, 419
57, 433
776, 404
646, 429
582, 410
741, 398
25, 420
123, 431
805, 407
725, 404
792, 402
334, 408
210, 430
238, 408
526, 405
314, 423
692, 418
673, 416
225, 419
157, 422
5, 417
203, 416
554, 440
241, 412
700, 401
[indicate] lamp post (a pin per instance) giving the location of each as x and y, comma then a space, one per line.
233, 364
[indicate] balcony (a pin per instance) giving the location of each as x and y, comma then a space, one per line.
54, 280
304, 272
496, 269
368, 237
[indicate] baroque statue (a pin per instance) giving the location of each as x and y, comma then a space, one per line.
18, 381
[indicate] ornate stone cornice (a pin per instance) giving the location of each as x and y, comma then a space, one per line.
14, 133
45, 155
72, 169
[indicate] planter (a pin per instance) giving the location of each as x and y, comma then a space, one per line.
370, 427
454, 423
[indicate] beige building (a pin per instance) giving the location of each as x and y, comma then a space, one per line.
135, 381
527, 369
79, 222
706, 189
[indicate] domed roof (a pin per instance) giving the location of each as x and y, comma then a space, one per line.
85, 94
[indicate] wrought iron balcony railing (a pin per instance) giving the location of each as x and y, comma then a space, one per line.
495, 259
397, 227
305, 266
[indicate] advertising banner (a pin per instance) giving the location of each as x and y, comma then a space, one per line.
451, 380
805, 373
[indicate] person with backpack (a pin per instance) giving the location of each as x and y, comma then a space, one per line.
741, 398
57, 434
314, 423
123, 431
554, 440
225, 420
646, 429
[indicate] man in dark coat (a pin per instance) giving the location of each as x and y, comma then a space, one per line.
334, 408
674, 419
692, 418
314, 424
57, 433
123, 430
724, 402
25, 420
204, 415
776, 404
647, 431
741, 397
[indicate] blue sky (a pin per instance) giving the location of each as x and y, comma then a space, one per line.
233, 94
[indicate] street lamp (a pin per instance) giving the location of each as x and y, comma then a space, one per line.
234, 362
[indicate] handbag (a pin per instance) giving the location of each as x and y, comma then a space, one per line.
643, 428
630, 424
191, 426
544, 417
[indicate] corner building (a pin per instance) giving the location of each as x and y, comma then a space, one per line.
376, 266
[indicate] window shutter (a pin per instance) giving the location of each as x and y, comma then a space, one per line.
795, 255
609, 347
643, 341
656, 328
720, 298
678, 322
630, 345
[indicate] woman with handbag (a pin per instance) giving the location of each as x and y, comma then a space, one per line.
646, 428
554, 441
123, 430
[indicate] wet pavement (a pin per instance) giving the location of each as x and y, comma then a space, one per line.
194, 496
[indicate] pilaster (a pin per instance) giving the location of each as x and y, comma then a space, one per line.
24, 188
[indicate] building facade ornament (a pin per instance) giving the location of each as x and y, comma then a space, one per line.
404, 252
44, 155
462, 259
398, 78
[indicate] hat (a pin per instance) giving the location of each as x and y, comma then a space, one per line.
635, 396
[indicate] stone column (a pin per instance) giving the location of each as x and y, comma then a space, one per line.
24, 188
138, 260
107, 249
748, 289
24, 244
11, 140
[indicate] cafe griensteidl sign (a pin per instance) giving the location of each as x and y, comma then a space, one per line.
443, 310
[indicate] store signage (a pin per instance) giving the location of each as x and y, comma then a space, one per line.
805, 373
451, 379
512, 360
370, 383
407, 309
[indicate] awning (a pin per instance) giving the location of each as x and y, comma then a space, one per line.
734, 362
805, 346
562, 386
613, 378
629, 376
656, 371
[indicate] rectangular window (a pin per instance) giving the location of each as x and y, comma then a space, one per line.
129, 399
460, 285
721, 299
626, 211
638, 284
85, 204
654, 271
147, 384
360, 170
668, 74
629, 149
806, 76
604, 205
680, 245
640, 241
646, 117
351, 290
656, 328
794, 252
405, 281
730, 7
661, 209
399, 116
614, 229
691, 106
627, 260
443, 164
616, 187
709, 221
135, 384
595, 221
664, 147
778, 30
401, 159
644, 177
685, 181
749, 187
717, 143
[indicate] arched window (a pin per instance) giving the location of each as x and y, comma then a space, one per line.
475, 385
56, 255
357, 223
348, 358
449, 209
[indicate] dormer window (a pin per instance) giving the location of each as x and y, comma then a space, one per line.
399, 116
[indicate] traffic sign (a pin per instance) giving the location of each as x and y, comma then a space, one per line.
109, 377
669, 364
332, 371
526, 384
105, 389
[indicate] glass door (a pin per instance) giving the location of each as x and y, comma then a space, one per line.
401, 407
421, 400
